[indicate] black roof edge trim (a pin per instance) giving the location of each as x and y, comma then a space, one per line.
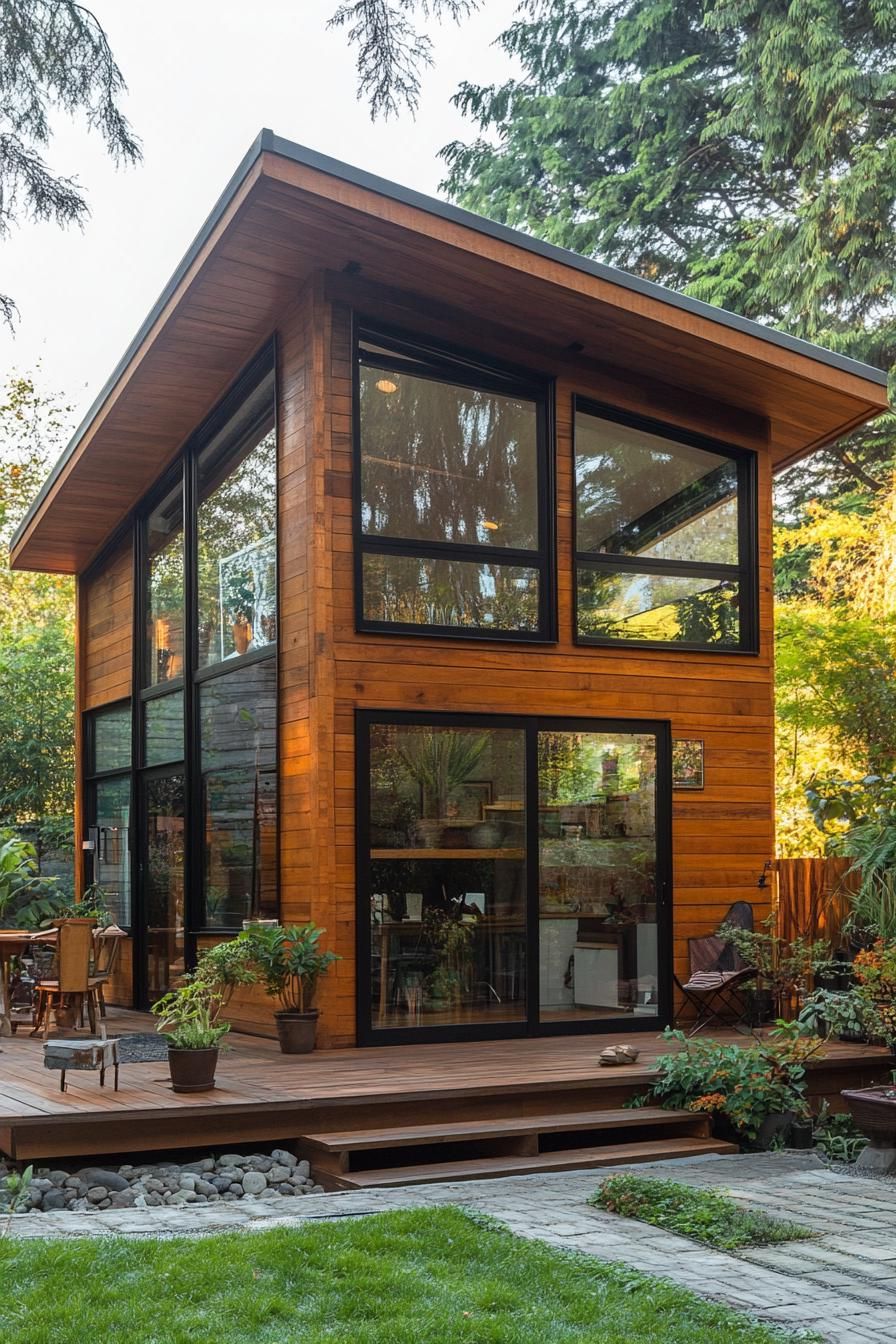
267, 141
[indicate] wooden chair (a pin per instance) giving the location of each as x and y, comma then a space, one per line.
717, 974
107, 946
72, 983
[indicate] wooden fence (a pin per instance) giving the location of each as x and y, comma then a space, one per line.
813, 897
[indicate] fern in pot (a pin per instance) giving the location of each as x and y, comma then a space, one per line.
291, 963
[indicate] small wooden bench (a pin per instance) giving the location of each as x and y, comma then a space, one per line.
82, 1055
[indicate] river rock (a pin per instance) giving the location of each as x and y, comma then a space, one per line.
254, 1182
99, 1176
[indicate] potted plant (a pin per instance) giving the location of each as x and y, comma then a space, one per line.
784, 968
851, 1014
189, 1017
438, 761
291, 963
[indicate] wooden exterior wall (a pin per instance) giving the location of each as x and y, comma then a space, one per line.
722, 836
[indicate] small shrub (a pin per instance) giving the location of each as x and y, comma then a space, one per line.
837, 1137
703, 1215
14, 1190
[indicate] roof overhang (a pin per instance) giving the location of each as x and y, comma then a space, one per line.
288, 212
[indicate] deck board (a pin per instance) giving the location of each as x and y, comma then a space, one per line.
258, 1087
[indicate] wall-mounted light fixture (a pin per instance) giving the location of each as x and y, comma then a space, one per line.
763, 876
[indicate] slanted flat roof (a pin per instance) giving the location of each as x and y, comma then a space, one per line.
288, 211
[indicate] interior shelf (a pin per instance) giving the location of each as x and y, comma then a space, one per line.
447, 853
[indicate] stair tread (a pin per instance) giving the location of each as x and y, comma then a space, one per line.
448, 1132
570, 1159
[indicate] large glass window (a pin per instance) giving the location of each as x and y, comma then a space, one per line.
164, 656
238, 718
236, 532
454, 523
664, 537
447, 896
108, 797
512, 871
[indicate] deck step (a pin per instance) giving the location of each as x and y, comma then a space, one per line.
570, 1159
407, 1136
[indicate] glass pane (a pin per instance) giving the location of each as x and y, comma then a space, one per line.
597, 875
448, 875
410, 590
165, 591
673, 608
641, 494
238, 715
112, 866
111, 740
441, 462
164, 729
236, 533
164, 885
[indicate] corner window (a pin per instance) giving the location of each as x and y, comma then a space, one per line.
665, 536
453, 520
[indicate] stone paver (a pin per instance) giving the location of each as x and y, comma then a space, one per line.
841, 1284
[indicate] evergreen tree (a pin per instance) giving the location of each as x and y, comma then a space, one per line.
54, 56
743, 151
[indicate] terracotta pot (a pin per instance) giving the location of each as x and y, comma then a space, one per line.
297, 1031
192, 1070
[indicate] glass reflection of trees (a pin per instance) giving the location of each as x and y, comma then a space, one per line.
236, 536
447, 464
667, 513
165, 591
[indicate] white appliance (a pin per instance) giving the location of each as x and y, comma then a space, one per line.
596, 972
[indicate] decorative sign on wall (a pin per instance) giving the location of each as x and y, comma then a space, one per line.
687, 763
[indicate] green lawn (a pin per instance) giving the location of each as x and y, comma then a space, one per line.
415, 1277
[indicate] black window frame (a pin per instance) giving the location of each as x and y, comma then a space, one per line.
186, 472
745, 572
531, 1024
440, 362
92, 778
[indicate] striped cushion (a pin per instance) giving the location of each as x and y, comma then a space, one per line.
709, 979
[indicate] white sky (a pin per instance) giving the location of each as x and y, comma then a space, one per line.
204, 76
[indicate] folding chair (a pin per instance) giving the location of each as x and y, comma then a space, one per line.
717, 974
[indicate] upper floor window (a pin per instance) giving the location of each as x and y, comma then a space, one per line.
665, 536
452, 496
236, 524
164, 659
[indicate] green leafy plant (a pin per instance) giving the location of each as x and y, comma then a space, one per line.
706, 1216
26, 897
94, 904
784, 966
745, 1084
14, 1190
836, 1135
189, 1015
227, 965
290, 962
859, 819
440, 761
852, 1012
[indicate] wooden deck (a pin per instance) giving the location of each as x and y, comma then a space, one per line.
263, 1096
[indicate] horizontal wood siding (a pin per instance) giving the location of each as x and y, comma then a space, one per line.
722, 835
106, 624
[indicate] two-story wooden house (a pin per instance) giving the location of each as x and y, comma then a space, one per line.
425, 591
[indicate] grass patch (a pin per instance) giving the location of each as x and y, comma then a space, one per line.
703, 1215
410, 1277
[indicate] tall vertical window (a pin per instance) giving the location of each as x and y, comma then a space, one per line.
665, 536
108, 761
452, 496
164, 655
236, 544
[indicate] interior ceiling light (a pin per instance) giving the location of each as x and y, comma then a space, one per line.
491, 526
386, 385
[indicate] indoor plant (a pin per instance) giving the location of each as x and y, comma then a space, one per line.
189, 1016
291, 963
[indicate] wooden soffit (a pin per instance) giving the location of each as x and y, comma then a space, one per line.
287, 213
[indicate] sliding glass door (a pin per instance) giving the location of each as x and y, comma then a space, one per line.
513, 875
597, 875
